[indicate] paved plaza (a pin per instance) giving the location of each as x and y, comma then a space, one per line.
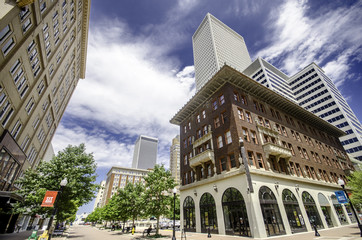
92, 233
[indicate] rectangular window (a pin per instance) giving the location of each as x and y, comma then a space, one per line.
26, 25
236, 97
223, 162
203, 114
228, 137
204, 130
221, 99
29, 106
259, 157
8, 46
219, 142
232, 160
217, 122
246, 134
251, 158
240, 114
214, 105
5, 32
243, 100
198, 118
254, 137
248, 117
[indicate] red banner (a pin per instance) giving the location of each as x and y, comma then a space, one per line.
49, 199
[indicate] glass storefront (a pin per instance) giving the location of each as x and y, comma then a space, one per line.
235, 215
271, 214
189, 215
311, 210
339, 210
208, 213
293, 212
326, 209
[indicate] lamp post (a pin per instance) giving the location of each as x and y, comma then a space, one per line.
63, 183
342, 183
174, 213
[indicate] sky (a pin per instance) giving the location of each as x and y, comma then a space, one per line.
140, 64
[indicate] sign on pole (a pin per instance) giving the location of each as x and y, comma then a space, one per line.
49, 199
341, 197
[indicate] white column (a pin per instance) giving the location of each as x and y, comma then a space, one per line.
255, 216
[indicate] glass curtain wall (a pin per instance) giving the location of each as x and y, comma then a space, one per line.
235, 215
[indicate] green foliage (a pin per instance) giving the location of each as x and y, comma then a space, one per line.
95, 216
72, 163
355, 183
157, 197
177, 208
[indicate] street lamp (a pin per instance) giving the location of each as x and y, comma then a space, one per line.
174, 213
342, 183
63, 183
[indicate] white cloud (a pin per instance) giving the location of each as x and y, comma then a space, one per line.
330, 39
130, 89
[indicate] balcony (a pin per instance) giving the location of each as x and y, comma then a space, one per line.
202, 139
202, 158
277, 151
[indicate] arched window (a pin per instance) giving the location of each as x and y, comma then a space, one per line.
208, 213
339, 210
326, 209
311, 210
269, 207
189, 215
235, 215
292, 209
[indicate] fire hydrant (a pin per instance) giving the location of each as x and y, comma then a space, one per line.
133, 231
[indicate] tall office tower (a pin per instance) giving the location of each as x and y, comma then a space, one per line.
175, 159
118, 177
145, 152
43, 48
100, 194
316, 92
270, 76
215, 44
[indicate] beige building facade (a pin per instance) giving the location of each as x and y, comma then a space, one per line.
43, 49
175, 159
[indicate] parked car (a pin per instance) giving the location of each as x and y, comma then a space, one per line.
177, 224
164, 225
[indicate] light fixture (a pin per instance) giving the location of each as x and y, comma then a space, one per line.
341, 182
64, 182
297, 187
195, 192
276, 185
215, 187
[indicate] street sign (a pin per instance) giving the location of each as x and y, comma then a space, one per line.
341, 197
49, 199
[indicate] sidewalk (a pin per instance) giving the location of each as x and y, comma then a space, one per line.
23, 236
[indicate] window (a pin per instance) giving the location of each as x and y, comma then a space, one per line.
189, 124
305, 154
223, 162
8, 46
189, 140
5, 32
29, 106
221, 99
199, 133
256, 105
259, 158
228, 137
198, 118
298, 137
262, 109
219, 142
203, 114
236, 97
253, 137
26, 25
251, 158
261, 121
204, 130
272, 112
246, 134
214, 105
240, 114
217, 122
243, 100
284, 131
267, 123
248, 117
300, 152
232, 160
290, 146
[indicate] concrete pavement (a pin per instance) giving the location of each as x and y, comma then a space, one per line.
350, 232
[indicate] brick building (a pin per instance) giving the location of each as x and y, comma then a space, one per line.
287, 178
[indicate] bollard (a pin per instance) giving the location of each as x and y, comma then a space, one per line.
316, 233
208, 233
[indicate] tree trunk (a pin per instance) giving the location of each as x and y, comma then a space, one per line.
158, 225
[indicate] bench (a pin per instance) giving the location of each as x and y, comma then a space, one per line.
58, 232
153, 230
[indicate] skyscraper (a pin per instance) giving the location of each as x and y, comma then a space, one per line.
43, 50
145, 152
215, 44
175, 159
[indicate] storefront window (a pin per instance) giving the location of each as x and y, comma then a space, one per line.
339, 210
235, 215
189, 215
311, 210
208, 213
293, 212
269, 207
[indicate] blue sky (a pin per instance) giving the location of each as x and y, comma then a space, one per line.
140, 64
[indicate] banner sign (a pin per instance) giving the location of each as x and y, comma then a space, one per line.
49, 199
341, 197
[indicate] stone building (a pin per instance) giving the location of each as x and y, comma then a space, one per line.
286, 177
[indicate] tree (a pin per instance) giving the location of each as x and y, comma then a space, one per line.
72, 163
95, 216
177, 208
131, 199
355, 183
157, 197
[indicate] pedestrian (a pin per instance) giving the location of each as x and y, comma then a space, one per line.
149, 230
